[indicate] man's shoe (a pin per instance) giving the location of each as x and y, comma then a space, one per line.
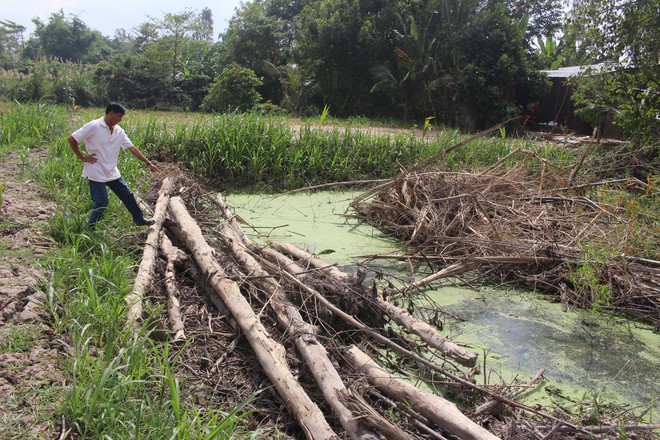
147, 222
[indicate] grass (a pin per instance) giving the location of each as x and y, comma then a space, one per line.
25, 126
119, 385
239, 150
18, 338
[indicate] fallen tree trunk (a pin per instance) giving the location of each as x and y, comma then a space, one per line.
428, 334
435, 408
146, 268
416, 326
290, 320
175, 256
271, 354
308, 258
412, 355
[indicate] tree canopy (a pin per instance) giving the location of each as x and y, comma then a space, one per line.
623, 35
463, 62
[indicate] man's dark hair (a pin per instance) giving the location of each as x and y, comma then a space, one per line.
115, 107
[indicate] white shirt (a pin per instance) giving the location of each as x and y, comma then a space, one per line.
98, 139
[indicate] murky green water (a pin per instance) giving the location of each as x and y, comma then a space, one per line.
584, 356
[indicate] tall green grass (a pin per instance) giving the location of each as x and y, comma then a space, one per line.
250, 150
119, 385
27, 125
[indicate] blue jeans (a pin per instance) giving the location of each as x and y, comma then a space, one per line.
99, 194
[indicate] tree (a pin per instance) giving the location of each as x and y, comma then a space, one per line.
204, 26
147, 33
297, 85
68, 39
169, 44
417, 69
256, 39
625, 34
545, 16
11, 43
549, 56
334, 43
176, 29
235, 89
133, 79
495, 68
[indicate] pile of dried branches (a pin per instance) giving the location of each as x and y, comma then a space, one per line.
277, 318
251, 317
539, 230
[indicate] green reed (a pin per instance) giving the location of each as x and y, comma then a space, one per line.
25, 125
249, 150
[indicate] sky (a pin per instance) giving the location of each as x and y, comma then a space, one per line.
108, 15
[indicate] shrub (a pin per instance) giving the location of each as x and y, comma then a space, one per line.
235, 89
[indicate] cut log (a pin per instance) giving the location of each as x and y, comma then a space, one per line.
412, 355
175, 256
146, 268
270, 353
332, 271
428, 334
435, 408
282, 261
398, 348
173, 306
416, 326
290, 320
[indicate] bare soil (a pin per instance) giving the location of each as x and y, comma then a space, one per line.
26, 373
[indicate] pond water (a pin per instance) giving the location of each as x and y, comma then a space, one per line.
585, 356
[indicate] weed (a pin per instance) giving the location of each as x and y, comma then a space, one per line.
427, 126
18, 339
588, 278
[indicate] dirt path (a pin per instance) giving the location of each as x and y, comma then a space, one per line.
29, 361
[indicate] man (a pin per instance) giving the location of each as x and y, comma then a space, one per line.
103, 140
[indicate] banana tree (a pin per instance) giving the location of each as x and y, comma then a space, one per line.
410, 85
548, 52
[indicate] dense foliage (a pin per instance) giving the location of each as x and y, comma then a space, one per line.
624, 36
464, 63
235, 89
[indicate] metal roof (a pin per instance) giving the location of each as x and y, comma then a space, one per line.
569, 72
